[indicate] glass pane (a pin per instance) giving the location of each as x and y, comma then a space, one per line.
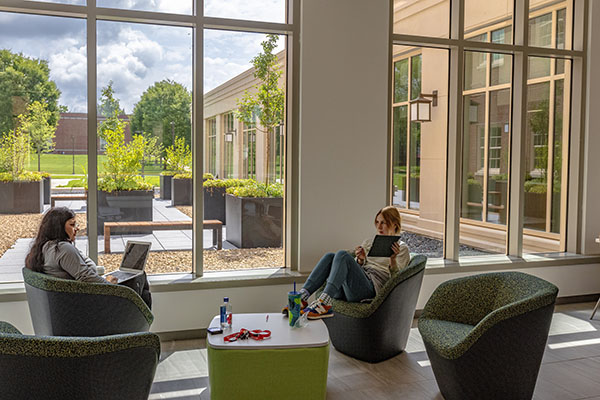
251, 129
399, 155
560, 116
501, 67
536, 160
401, 81
422, 18
485, 16
419, 151
560, 37
145, 175
252, 10
43, 129
171, 6
498, 160
415, 164
473, 156
475, 69
546, 165
415, 77
548, 19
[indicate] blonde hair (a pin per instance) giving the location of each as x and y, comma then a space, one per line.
391, 216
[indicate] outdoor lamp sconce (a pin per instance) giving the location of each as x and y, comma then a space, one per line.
420, 108
229, 136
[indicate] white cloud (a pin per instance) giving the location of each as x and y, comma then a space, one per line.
260, 10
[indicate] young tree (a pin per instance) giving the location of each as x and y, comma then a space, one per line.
41, 133
164, 103
110, 108
24, 80
267, 104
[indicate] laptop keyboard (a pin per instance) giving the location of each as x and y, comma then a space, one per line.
120, 275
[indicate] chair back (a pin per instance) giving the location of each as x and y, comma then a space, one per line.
61, 307
91, 368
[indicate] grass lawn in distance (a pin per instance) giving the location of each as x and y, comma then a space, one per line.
62, 164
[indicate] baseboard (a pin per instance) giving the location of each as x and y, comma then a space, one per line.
578, 299
182, 335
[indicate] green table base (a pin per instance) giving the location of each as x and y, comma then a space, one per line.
299, 373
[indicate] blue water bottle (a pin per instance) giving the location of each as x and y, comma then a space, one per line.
225, 314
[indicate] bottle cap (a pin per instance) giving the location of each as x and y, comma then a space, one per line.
226, 299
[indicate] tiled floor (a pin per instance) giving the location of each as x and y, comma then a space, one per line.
570, 368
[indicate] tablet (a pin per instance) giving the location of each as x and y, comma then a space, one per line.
382, 246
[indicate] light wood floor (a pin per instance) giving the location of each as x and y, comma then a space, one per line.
570, 368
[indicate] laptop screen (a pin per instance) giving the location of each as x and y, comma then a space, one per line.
135, 255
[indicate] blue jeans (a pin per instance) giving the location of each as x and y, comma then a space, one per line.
346, 280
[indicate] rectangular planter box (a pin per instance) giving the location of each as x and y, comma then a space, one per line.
254, 221
21, 197
121, 206
181, 192
165, 187
214, 203
47, 189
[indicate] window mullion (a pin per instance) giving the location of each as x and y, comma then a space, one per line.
519, 131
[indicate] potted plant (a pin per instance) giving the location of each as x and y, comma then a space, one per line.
214, 197
181, 188
20, 191
123, 195
255, 215
165, 184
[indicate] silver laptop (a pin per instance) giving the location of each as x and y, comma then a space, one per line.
133, 261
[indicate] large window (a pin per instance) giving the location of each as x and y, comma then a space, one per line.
482, 138
131, 174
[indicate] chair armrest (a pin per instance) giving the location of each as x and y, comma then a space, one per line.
6, 327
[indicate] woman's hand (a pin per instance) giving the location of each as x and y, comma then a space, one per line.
359, 251
111, 279
396, 250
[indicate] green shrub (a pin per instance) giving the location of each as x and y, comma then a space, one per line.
168, 173
256, 189
227, 183
208, 176
25, 176
535, 186
179, 157
185, 175
122, 162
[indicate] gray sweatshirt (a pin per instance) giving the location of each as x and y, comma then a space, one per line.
64, 260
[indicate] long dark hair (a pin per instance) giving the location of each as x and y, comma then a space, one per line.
52, 227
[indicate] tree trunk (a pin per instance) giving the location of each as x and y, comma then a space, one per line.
39, 162
268, 156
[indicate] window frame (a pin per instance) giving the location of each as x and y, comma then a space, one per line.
576, 50
198, 22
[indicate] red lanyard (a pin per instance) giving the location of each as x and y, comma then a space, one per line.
256, 334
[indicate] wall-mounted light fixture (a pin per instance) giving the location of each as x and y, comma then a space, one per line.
420, 108
229, 136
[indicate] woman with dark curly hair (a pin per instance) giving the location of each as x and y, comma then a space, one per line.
53, 252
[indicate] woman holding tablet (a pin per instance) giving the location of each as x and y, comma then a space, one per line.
53, 252
356, 278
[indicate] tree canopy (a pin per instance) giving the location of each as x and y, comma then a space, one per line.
162, 103
24, 80
41, 133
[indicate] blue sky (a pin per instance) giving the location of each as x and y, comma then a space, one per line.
135, 56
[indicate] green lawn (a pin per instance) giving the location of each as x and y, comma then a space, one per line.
62, 164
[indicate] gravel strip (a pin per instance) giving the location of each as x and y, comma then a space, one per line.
187, 210
214, 260
17, 226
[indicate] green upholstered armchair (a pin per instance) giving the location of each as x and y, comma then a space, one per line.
485, 334
379, 330
90, 368
62, 307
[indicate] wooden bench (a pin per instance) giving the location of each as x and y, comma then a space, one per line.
214, 224
62, 197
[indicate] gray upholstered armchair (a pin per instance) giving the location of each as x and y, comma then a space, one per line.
90, 368
485, 334
379, 330
61, 307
